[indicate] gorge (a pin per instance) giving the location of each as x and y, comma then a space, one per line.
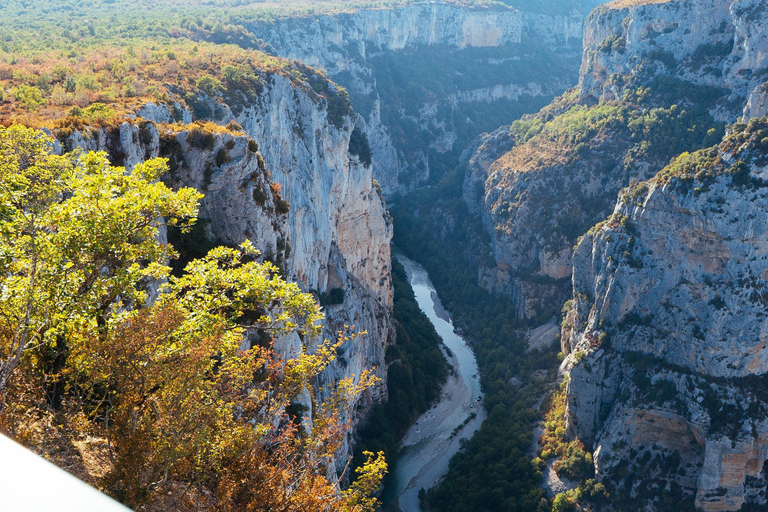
545, 163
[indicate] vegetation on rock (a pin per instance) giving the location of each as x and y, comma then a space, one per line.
106, 356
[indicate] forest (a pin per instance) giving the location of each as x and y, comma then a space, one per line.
495, 469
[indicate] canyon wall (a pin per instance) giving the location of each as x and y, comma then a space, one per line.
666, 332
665, 335
282, 176
650, 70
430, 76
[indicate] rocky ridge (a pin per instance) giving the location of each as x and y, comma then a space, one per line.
564, 166
666, 335
711, 42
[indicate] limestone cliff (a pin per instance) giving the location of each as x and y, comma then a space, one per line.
430, 76
281, 174
652, 74
665, 335
667, 332
713, 43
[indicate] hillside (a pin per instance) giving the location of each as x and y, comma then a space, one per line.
657, 79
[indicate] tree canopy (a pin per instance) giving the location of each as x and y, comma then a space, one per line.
100, 343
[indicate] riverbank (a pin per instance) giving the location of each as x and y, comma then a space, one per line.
435, 436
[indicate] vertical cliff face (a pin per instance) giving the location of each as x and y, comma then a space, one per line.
283, 177
649, 69
713, 43
665, 336
430, 76
337, 226
667, 333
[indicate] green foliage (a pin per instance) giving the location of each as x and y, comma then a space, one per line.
576, 464
208, 84
233, 75
339, 107
30, 97
359, 146
222, 157
561, 503
705, 52
200, 138
613, 43
94, 113
492, 471
66, 261
164, 381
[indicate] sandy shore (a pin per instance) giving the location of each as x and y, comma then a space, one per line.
428, 446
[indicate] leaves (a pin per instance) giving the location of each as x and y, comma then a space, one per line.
178, 374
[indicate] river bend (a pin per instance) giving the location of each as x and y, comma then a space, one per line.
430, 442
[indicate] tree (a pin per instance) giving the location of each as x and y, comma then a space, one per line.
29, 96
177, 373
77, 240
70, 84
208, 84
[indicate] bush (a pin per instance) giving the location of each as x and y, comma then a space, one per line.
208, 84
200, 138
222, 157
30, 97
577, 464
359, 145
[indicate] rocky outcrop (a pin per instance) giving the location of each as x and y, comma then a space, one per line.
424, 74
281, 174
564, 166
667, 333
712, 43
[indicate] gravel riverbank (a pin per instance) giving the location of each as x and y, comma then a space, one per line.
434, 437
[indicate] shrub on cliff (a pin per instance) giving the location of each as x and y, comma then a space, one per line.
101, 344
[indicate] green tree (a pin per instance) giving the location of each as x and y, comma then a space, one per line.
208, 84
561, 503
30, 97
153, 362
70, 84
77, 239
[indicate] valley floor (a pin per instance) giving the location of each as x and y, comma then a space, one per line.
435, 437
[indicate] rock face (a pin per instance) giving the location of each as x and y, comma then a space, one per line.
289, 184
713, 43
667, 332
665, 337
549, 186
433, 75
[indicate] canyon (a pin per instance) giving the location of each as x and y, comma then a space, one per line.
429, 77
626, 199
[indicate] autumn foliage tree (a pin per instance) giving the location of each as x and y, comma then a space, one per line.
194, 415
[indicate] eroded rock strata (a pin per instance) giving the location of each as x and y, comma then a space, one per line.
666, 334
430, 76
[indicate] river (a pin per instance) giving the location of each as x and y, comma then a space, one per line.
430, 443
